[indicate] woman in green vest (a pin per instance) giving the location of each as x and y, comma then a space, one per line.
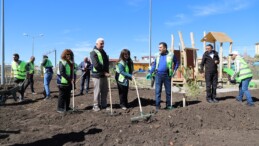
123, 74
66, 72
243, 75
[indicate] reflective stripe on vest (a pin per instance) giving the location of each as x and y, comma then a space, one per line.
31, 67
169, 63
19, 70
68, 72
125, 65
244, 71
100, 58
47, 65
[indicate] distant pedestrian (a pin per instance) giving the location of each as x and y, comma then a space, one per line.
164, 68
210, 60
31, 68
85, 67
123, 74
243, 74
48, 73
66, 67
19, 73
100, 72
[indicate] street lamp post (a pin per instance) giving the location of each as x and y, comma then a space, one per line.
3, 58
150, 30
33, 38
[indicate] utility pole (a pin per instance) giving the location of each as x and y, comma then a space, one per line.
150, 30
3, 57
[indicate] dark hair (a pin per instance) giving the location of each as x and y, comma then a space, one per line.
45, 56
65, 52
123, 52
164, 44
16, 55
210, 46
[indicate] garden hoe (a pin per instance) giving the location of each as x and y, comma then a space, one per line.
142, 115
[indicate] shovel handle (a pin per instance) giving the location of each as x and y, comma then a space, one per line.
109, 82
139, 102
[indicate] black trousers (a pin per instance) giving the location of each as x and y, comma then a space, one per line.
211, 84
123, 92
30, 82
64, 97
85, 78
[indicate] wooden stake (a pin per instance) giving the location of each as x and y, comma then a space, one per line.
172, 45
204, 42
221, 59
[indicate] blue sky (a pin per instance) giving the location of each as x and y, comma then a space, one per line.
76, 24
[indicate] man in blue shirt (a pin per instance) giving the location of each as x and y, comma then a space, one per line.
164, 67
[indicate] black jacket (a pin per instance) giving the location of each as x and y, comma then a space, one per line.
101, 68
210, 65
62, 70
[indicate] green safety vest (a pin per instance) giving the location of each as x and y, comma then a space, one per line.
47, 64
19, 70
31, 67
244, 70
100, 58
169, 63
122, 77
68, 72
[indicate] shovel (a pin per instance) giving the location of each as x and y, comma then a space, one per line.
142, 115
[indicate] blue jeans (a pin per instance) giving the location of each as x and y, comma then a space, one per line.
161, 79
47, 79
243, 89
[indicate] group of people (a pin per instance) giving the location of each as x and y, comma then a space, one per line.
242, 75
163, 69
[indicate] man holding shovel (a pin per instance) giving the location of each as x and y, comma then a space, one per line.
100, 72
164, 71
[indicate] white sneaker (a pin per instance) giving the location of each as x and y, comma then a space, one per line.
34, 93
96, 108
124, 108
20, 100
107, 108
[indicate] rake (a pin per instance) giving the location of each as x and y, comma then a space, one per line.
142, 115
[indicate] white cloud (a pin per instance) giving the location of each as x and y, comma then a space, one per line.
68, 31
83, 47
221, 7
179, 19
141, 39
134, 3
81, 50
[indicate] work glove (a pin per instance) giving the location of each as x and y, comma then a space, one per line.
148, 76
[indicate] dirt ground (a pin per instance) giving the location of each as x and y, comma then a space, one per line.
36, 122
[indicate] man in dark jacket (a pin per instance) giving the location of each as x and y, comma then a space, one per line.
100, 72
211, 60
85, 67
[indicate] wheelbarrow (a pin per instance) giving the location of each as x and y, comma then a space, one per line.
8, 90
